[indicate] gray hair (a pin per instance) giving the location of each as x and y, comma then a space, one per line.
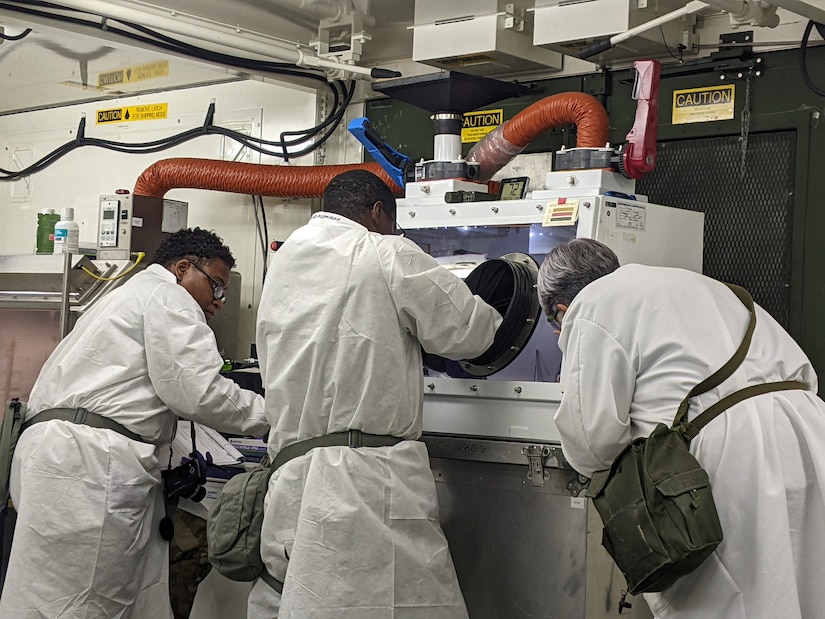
568, 268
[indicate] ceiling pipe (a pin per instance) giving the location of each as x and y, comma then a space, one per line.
317, 8
214, 33
246, 178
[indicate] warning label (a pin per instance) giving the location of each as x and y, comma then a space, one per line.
561, 212
630, 216
478, 124
139, 73
696, 105
152, 111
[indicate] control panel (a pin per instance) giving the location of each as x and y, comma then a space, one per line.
114, 227
128, 224
109, 219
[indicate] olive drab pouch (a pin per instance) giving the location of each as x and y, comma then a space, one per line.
660, 521
234, 524
13, 417
655, 500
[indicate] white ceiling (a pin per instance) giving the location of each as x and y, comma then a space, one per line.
61, 63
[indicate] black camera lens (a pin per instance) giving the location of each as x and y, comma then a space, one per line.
197, 495
185, 481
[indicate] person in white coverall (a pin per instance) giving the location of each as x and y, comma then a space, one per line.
353, 532
88, 499
635, 340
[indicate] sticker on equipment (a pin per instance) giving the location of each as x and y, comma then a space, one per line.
631, 216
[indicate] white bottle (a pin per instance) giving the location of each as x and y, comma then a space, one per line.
66, 233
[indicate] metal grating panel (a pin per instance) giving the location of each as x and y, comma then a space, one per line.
748, 208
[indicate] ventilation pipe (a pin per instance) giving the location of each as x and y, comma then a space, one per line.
499, 146
493, 152
246, 178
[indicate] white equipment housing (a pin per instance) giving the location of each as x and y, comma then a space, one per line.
513, 403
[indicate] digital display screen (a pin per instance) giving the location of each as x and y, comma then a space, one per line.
513, 188
108, 214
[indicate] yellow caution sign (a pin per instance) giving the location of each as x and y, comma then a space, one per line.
478, 124
151, 111
138, 73
698, 105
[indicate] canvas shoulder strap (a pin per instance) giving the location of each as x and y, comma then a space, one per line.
691, 428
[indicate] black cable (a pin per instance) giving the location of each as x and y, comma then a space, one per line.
680, 47
259, 229
175, 140
803, 57
166, 42
266, 236
15, 37
160, 40
331, 123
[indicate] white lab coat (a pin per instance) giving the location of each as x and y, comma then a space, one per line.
341, 316
88, 500
634, 343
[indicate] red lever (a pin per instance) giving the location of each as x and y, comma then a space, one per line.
639, 154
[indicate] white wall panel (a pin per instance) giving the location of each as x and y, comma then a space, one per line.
79, 178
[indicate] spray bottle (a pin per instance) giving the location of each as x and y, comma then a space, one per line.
66, 233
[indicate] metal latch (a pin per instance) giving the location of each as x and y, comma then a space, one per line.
535, 461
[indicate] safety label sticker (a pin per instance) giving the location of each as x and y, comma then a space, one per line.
630, 216
696, 105
561, 212
137, 73
151, 111
478, 124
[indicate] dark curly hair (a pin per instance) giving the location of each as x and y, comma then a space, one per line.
196, 242
350, 193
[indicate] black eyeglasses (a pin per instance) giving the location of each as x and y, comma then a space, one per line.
398, 230
218, 291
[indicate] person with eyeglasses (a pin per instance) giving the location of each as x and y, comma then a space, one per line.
86, 475
636, 340
351, 526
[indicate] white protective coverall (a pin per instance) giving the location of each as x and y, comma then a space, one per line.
89, 500
341, 316
634, 343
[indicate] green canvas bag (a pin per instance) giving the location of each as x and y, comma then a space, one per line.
13, 416
233, 525
655, 501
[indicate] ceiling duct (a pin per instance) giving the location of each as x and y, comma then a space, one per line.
567, 27
482, 37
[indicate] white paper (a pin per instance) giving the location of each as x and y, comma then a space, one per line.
207, 440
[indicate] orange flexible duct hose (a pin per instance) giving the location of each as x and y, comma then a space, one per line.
576, 108
246, 178
498, 147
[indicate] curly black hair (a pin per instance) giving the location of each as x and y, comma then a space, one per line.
350, 193
196, 242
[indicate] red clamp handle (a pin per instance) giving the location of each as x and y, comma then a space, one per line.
639, 154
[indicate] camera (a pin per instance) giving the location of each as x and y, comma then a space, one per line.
188, 479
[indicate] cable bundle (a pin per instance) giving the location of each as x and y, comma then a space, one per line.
292, 144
